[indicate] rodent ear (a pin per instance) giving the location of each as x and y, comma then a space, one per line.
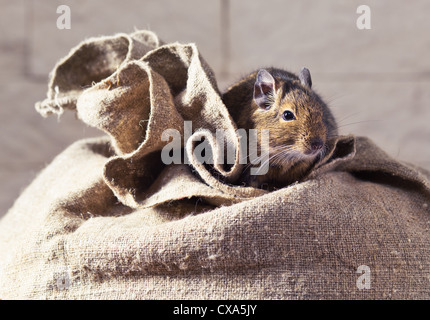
263, 89
305, 77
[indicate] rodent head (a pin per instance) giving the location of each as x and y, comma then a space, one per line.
299, 122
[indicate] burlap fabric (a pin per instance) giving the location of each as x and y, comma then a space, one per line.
108, 220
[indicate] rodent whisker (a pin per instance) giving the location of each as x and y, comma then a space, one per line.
274, 156
347, 117
364, 121
276, 148
279, 157
284, 157
281, 150
283, 154
262, 165
283, 146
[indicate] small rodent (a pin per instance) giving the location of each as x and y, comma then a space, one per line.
300, 124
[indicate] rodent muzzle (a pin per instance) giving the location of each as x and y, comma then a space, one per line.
315, 146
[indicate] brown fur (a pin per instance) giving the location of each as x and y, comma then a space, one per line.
313, 120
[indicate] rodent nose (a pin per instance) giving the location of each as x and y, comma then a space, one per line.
316, 144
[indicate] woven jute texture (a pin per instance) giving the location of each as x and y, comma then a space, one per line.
107, 219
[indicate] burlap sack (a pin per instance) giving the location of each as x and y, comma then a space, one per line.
108, 220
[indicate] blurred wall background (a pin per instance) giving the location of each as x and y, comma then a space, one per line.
377, 81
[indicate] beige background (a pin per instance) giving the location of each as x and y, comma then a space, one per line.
377, 81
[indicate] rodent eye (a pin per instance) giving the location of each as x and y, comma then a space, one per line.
288, 115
